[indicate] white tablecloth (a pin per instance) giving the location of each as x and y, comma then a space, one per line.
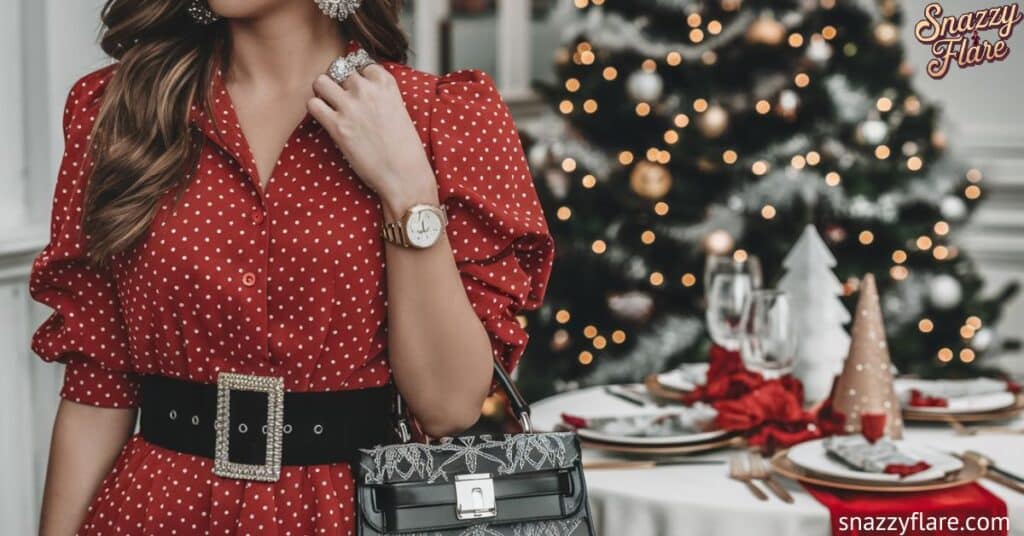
701, 500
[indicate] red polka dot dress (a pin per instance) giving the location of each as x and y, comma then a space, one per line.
285, 282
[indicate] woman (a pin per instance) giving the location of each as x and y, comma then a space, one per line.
198, 232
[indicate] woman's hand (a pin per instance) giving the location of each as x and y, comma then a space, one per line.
367, 119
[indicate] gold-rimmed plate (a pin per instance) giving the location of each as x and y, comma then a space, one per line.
909, 414
693, 448
662, 392
970, 472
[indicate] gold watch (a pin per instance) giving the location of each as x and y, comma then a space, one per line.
420, 227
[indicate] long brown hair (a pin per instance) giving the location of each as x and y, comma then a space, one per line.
142, 144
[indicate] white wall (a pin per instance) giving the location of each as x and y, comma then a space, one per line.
47, 45
986, 126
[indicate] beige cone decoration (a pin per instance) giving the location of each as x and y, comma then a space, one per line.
865, 385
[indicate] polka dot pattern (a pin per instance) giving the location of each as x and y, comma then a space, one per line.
285, 281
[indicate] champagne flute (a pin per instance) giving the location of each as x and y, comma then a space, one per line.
716, 265
768, 343
726, 301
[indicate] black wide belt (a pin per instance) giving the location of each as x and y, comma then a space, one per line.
251, 427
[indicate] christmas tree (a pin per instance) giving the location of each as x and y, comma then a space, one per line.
686, 128
818, 313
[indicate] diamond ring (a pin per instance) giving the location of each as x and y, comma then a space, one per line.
345, 66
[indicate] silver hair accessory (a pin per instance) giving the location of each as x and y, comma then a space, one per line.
338, 9
201, 13
345, 66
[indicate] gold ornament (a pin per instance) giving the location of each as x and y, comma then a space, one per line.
713, 122
650, 180
865, 386
719, 242
766, 31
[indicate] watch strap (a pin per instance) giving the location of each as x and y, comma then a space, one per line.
394, 232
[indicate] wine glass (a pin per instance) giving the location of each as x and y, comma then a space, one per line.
726, 301
716, 265
767, 339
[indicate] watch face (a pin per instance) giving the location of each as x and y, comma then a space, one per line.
423, 228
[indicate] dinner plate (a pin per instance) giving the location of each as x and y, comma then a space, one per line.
674, 439
970, 472
727, 441
992, 395
681, 439
812, 457
592, 402
971, 404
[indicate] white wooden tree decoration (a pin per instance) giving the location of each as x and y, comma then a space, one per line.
819, 315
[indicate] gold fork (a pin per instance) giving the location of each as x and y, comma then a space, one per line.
759, 471
738, 471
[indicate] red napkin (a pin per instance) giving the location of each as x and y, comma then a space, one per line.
769, 412
727, 378
574, 421
858, 513
919, 399
906, 470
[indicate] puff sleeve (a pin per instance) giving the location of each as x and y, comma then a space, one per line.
85, 330
496, 225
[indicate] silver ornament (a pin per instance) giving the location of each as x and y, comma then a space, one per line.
644, 86
953, 208
538, 155
788, 101
632, 305
982, 339
558, 183
819, 51
873, 131
944, 292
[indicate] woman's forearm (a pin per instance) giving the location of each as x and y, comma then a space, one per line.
439, 350
86, 442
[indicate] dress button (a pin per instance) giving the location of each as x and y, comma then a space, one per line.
248, 279
257, 216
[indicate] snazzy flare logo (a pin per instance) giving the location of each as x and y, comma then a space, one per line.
956, 39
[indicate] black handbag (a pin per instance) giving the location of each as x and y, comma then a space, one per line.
527, 484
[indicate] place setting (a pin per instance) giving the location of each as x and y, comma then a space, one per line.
974, 400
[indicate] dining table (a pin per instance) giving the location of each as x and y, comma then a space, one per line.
700, 498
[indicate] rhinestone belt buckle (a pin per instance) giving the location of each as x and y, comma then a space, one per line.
269, 471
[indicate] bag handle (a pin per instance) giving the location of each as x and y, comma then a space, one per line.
520, 408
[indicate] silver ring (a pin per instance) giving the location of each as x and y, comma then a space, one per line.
346, 66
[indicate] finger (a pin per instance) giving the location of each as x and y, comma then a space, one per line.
376, 73
321, 111
353, 82
329, 90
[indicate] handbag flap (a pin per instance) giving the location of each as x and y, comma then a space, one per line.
411, 487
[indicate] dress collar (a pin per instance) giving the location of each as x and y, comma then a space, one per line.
219, 124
